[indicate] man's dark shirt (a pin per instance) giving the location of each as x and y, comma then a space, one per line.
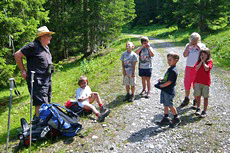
38, 57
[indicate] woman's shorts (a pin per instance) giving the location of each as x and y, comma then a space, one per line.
201, 90
190, 74
166, 99
129, 80
145, 72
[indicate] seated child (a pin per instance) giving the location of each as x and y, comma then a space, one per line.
167, 85
86, 97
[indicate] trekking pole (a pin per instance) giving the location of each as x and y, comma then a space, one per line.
10, 104
31, 104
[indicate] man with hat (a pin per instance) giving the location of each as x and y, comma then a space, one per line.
39, 60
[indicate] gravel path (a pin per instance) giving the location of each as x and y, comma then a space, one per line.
141, 134
130, 128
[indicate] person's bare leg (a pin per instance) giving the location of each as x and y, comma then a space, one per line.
37, 110
187, 93
143, 78
205, 104
148, 85
133, 89
173, 109
166, 110
127, 89
91, 107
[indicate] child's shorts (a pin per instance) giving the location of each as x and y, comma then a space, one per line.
189, 77
82, 104
145, 72
166, 99
128, 80
201, 90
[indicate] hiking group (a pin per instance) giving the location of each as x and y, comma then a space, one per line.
197, 75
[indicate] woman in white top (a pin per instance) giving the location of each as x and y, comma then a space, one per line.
192, 50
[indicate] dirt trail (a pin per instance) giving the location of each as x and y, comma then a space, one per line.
130, 128
141, 134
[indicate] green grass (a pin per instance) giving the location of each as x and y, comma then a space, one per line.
218, 41
99, 68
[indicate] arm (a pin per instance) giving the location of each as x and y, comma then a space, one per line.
123, 67
18, 58
166, 84
151, 51
82, 99
207, 67
138, 50
134, 67
198, 65
186, 51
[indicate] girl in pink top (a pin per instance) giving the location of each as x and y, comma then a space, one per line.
191, 51
202, 80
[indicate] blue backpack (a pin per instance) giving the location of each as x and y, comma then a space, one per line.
60, 118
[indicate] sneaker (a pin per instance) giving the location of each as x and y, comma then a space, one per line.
203, 114
194, 104
175, 122
165, 121
131, 98
103, 115
185, 102
197, 111
127, 96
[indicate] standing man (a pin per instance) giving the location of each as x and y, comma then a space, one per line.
39, 60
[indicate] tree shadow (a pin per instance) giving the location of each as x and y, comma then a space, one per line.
146, 133
120, 100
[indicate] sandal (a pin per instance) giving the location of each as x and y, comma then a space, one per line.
142, 92
147, 95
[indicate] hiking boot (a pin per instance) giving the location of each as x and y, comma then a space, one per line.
127, 96
175, 122
131, 98
35, 120
203, 114
185, 102
165, 121
103, 115
197, 111
194, 104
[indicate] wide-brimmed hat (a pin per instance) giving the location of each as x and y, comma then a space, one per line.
43, 31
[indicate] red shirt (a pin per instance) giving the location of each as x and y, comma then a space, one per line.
202, 76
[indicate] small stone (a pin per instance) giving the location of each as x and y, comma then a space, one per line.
104, 125
94, 137
70, 151
111, 148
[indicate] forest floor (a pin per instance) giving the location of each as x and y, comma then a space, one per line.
131, 128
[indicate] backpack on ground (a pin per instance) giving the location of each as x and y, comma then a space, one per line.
73, 105
60, 118
39, 132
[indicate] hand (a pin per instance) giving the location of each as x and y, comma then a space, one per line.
147, 45
24, 74
160, 79
133, 75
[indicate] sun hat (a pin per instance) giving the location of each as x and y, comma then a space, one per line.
43, 31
